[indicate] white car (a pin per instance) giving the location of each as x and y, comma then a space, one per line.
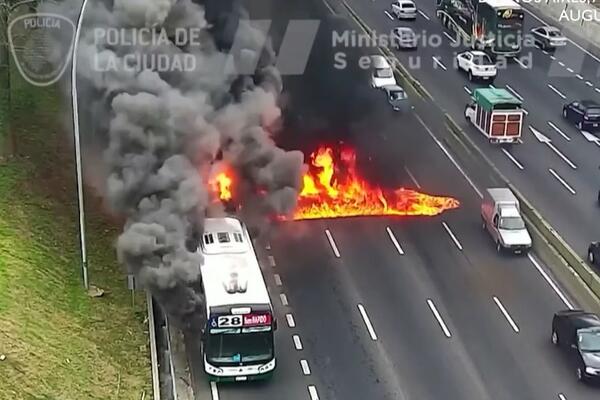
381, 72
548, 37
404, 9
477, 64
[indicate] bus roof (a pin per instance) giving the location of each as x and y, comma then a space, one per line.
490, 97
230, 271
502, 4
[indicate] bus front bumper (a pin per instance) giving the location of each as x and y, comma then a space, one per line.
242, 373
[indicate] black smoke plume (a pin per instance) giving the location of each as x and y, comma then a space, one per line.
162, 132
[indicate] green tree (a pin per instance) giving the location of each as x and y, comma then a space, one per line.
8, 138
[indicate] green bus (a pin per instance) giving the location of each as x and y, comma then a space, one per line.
495, 26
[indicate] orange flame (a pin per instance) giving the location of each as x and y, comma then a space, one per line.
221, 185
327, 195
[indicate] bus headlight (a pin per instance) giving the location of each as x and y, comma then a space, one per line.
267, 367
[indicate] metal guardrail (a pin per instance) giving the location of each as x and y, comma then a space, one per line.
170, 353
153, 351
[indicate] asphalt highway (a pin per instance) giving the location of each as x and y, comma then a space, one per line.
561, 178
396, 308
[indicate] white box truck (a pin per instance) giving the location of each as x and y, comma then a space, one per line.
501, 217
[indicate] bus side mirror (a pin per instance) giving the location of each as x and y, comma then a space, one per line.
275, 324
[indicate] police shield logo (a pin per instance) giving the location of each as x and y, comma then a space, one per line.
41, 45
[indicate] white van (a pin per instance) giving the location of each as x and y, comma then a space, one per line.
404, 9
381, 72
501, 217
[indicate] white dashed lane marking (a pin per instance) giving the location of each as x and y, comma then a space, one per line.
336, 252
297, 342
284, 300
290, 320
305, 367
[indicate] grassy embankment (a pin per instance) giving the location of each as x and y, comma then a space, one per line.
58, 342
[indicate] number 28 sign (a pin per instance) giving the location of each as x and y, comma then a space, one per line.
236, 321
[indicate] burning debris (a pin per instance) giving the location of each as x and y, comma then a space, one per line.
163, 132
334, 189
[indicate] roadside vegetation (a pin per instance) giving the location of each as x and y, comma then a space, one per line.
56, 340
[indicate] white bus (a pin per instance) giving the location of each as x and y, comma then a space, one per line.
237, 342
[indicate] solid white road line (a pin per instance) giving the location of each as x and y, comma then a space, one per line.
438, 62
367, 321
555, 90
441, 146
290, 320
297, 342
332, 243
514, 160
570, 70
553, 285
506, 314
312, 391
561, 155
305, 367
283, 298
562, 181
578, 76
449, 37
331, 10
277, 279
454, 239
514, 92
424, 15
520, 63
467, 90
590, 84
561, 133
437, 316
389, 15
271, 261
393, 238
214, 391
412, 177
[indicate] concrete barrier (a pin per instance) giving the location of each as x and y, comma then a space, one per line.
567, 263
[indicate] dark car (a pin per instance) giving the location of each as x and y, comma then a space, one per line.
594, 253
578, 332
397, 97
584, 113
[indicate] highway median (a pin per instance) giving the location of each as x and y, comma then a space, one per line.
548, 244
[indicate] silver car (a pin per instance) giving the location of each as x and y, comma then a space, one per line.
548, 37
404, 9
404, 38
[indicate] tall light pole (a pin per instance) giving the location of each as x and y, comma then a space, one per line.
78, 160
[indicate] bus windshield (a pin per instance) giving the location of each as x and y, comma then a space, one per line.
239, 347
